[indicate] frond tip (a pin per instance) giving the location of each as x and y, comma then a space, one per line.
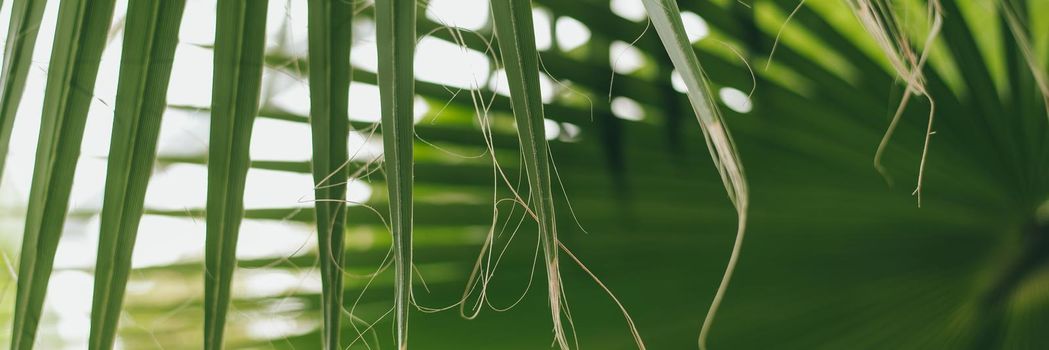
666, 17
880, 21
395, 33
513, 27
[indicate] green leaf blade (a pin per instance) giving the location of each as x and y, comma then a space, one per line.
18, 54
513, 27
330, 35
666, 18
395, 34
150, 37
80, 38
240, 36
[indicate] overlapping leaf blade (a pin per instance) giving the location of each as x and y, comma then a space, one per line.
150, 37
666, 18
330, 35
514, 29
79, 41
395, 34
240, 36
18, 53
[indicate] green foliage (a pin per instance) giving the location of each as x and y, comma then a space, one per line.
153, 27
330, 35
18, 51
513, 28
666, 18
240, 35
830, 247
395, 29
79, 40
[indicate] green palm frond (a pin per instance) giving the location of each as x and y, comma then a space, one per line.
153, 26
239, 49
330, 35
443, 198
79, 41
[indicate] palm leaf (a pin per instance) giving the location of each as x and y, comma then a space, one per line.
395, 35
239, 47
79, 41
330, 34
18, 51
151, 34
513, 27
666, 18
829, 245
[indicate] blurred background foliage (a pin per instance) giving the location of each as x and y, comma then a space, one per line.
835, 257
